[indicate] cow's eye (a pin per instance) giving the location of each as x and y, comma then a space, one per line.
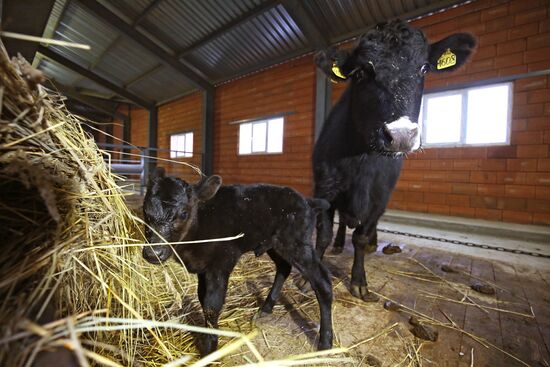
424, 68
183, 215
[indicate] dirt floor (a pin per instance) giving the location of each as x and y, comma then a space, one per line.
508, 328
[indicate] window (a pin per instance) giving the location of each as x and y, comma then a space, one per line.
181, 145
472, 116
261, 136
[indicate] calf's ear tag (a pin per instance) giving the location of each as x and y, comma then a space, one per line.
337, 72
446, 60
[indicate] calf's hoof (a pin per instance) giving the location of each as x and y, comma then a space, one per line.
362, 292
337, 250
325, 342
207, 344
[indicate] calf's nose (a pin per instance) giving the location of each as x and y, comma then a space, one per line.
156, 254
404, 135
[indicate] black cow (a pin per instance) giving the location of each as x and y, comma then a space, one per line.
273, 218
358, 156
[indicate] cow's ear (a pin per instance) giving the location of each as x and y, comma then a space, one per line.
333, 63
208, 187
451, 52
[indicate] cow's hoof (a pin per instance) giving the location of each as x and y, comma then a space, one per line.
325, 342
337, 250
369, 249
362, 292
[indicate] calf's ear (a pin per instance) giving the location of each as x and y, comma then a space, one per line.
451, 52
208, 187
157, 174
333, 63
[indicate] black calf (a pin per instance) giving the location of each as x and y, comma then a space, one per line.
273, 219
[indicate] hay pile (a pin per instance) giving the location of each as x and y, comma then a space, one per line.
73, 285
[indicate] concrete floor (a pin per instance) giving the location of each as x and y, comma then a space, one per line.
509, 236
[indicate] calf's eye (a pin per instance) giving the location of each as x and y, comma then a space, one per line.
183, 215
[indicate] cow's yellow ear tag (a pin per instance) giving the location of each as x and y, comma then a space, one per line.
446, 60
337, 72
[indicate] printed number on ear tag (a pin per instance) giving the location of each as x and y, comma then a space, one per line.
337, 72
446, 60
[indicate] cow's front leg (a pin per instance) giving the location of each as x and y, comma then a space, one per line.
359, 287
212, 288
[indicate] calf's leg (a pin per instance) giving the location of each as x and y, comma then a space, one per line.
212, 289
283, 270
324, 231
359, 287
308, 263
340, 239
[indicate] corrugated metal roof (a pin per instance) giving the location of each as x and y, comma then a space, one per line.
263, 38
126, 60
228, 37
162, 84
185, 22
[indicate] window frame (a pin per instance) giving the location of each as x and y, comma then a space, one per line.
185, 133
261, 120
463, 92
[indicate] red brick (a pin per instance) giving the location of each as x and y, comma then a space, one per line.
513, 70
438, 209
448, 153
493, 164
538, 41
544, 26
539, 54
511, 178
529, 110
420, 164
542, 192
488, 214
418, 186
500, 23
517, 6
458, 200
523, 31
435, 198
441, 164
520, 191
521, 165
473, 152
538, 178
543, 165
530, 83
532, 151
485, 52
539, 206
464, 188
546, 137
488, 202
508, 151
531, 16
492, 38
417, 207
517, 216
466, 164
511, 47
538, 96
509, 203
481, 65
519, 125
442, 187
527, 137
483, 177
537, 66
462, 211
490, 190
541, 219
494, 12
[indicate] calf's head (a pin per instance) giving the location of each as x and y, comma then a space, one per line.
170, 211
386, 69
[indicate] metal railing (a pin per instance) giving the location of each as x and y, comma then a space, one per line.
135, 163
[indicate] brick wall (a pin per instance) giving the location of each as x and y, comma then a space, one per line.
507, 183
182, 115
504, 183
287, 88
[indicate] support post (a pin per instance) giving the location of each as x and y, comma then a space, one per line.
207, 164
151, 152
